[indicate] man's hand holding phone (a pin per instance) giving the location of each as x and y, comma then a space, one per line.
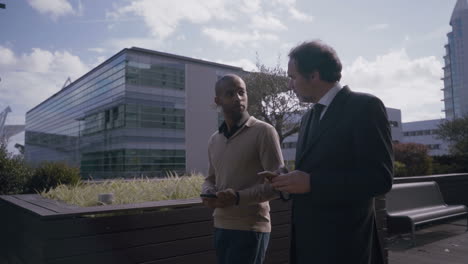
221, 199
269, 175
209, 199
272, 177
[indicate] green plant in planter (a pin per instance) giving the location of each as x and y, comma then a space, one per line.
125, 191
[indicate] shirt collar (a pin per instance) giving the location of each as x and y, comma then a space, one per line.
224, 129
330, 95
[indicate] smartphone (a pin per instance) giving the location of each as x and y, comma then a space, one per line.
208, 195
268, 174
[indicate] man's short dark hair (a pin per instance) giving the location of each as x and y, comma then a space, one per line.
226, 79
317, 56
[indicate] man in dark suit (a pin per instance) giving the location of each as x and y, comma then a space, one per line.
344, 158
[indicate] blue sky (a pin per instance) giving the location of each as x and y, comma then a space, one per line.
393, 49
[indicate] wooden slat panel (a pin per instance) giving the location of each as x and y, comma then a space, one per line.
76, 245
280, 218
85, 226
121, 240
21, 241
151, 253
279, 205
278, 244
279, 231
41, 211
52, 205
129, 208
74, 227
207, 257
144, 253
277, 257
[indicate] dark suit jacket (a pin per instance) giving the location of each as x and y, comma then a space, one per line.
350, 161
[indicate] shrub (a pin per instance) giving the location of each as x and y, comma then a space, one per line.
400, 169
14, 174
51, 174
446, 164
415, 157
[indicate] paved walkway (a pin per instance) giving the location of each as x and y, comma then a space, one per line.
438, 244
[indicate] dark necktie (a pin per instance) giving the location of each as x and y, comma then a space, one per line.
314, 125
310, 128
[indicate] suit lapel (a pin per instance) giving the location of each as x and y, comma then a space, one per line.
329, 119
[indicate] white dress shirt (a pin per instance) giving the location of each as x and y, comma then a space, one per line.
328, 98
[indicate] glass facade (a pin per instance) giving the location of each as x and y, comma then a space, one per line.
126, 118
455, 70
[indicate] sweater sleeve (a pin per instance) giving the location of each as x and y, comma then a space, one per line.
209, 185
271, 158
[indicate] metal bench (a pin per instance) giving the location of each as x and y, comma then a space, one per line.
412, 204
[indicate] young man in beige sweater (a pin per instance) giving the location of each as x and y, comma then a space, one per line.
241, 148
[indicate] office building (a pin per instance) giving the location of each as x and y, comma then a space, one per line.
139, 113
456, 64
425, 132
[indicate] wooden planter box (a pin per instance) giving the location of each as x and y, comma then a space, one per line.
37, 230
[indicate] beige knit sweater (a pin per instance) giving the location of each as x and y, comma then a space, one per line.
234, 163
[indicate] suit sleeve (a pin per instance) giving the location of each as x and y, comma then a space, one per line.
271, 158
372, 174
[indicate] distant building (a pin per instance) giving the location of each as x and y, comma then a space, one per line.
8, 131
424, 132
141, 112
456, 63
394, 118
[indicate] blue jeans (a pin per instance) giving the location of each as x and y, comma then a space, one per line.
240, 247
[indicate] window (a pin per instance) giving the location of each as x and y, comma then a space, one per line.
107, 116
115, 113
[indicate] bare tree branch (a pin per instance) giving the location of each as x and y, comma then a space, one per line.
271, 101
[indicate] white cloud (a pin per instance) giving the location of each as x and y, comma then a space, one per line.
439, 32
250, 6
29, 79
181, 37
298, 15
117, 44
377, 27
268, 22
412, 85
55, 8
163, 19
97, 50
245, 64
7, 56
292, 10
286, 47
234, 38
